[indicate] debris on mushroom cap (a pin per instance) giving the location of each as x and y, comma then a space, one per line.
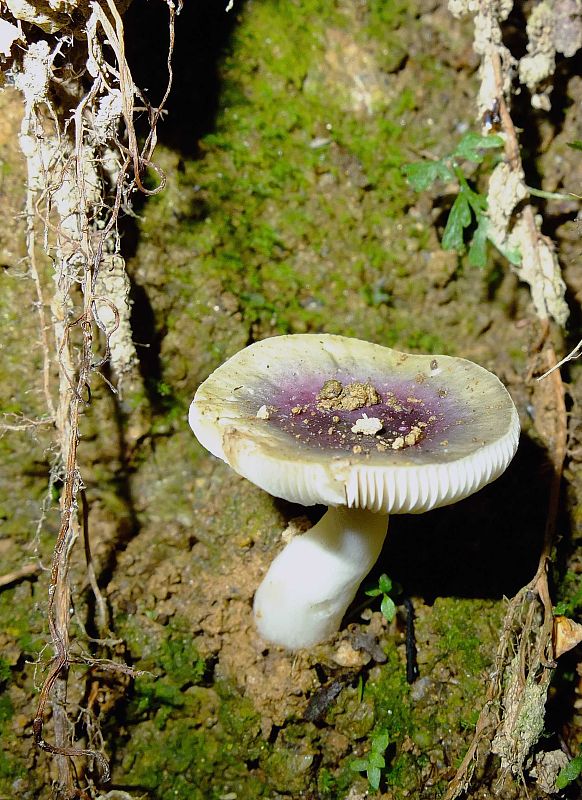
368, 425
444, 433
414, 436
330, 390
334, 396
263, 412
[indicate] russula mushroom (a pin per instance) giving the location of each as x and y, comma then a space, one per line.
364, 429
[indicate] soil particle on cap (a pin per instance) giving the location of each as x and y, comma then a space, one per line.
330, 390
393, 402
333, 396
412, 438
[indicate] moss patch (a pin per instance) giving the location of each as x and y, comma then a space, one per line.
295, 217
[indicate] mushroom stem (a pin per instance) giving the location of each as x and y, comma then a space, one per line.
311, 583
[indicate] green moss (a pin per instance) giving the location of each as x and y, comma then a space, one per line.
465, 629
240, 721
331, 785
352, 714
22, 624
5, 672
21, 619
394, 716
391, 695
6, 708
188, 741
456, 639
173, 762
425, 342
10, 768
384, 707
211, 737
290, 212
288, 769
569, 595
180, 660
162, 649
202, 753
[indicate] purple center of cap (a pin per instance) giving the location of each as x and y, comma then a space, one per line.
404, 413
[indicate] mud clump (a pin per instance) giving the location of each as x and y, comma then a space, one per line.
333, 396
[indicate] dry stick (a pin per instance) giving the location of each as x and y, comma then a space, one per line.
27, 571
490, 716
511, 141
58, 606
558, 451
557, 448
24, 424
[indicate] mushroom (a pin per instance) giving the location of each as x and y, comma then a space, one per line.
364, 429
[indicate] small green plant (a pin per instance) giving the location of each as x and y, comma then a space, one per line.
572, 603
569, 773
470, 207
375, 761
384, 589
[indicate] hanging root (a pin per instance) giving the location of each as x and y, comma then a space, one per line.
83, 163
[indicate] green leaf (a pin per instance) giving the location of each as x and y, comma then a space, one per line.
360, 689
478, 249
575, 145
373, 592
388, 608
422, 174
359, 765
471, 145
385, 584
478, 202
459, 219
569, 773
380, 742
376, 760
512, 254
374, 778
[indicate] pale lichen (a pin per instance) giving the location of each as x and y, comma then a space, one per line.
539, 268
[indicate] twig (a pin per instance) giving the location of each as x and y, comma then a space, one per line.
24, 423
517, 631
27, 571
575, 353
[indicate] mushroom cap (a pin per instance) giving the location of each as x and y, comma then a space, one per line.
281, 413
